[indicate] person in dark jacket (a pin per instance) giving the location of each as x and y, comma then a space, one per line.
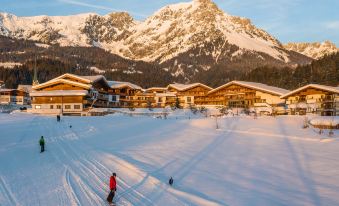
112, 187
42, 144
170, 181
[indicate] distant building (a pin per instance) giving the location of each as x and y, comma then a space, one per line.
251, 96
121, 93
313, 99
14, 96
25, 88
162, 96
189, 94
70, 94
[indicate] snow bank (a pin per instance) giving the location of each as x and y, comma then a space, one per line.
325, 121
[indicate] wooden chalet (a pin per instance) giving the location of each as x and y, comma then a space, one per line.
70, 94
313, 99
189, 94
14, 96
142, 100
163, 98
121, 93
252, 96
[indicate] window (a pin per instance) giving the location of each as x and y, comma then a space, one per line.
37, 106
51, 106
58, 106
114, 98
189, 99
76, 106
67, 106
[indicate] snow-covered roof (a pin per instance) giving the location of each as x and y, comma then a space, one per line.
316, 86
54, 81
93, 78
256, 86
59, 93
156, 88
183, 87
87, 79
118, 84
25, 88
7, 90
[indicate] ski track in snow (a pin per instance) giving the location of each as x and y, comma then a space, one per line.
86, 170
6, 195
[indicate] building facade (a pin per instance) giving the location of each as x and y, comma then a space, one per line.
122, 93
14, 96
251, 96
313, 99
70, 94
189, 94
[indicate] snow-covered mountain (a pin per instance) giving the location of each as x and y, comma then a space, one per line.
75, 30
177, 28
184, 38
314, 50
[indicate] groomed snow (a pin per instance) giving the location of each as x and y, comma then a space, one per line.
264, 161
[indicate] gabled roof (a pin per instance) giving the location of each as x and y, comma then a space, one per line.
56, 81
25, 88
254, 85
316, 86
93, 78
85, 83
184, 87
86, 79
7, 90
156, 88
118, 85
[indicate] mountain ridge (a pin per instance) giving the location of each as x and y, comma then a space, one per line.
315, 50
170, 31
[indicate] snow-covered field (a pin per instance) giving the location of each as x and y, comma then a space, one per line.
264, 161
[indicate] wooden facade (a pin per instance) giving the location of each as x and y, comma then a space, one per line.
76, 94
313, 99
191, 94
14, 96
248, 96
122, 93
70, 94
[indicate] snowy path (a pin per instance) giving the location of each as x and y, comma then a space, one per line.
268, 161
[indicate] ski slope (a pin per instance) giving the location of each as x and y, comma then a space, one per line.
264, 161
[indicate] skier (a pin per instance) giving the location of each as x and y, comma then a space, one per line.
112, 187
170, 181
58, 118
42, 144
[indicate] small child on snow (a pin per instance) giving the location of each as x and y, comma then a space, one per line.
42, 144
170, 181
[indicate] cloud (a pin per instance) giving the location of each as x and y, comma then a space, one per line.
334, 25
95, 6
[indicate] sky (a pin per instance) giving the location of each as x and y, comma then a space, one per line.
287, 20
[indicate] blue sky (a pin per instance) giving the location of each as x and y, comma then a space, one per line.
288, 20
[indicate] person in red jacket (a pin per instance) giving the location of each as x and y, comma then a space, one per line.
112, 187
113, 182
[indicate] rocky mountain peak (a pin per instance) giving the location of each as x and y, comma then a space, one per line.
315, 50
